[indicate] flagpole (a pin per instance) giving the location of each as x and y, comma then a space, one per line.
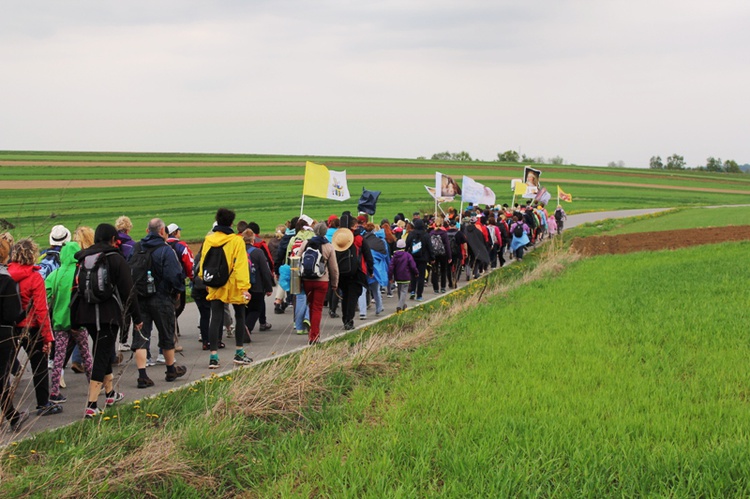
302, 206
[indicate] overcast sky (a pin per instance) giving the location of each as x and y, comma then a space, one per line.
591, 81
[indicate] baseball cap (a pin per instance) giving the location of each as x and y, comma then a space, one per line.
173, 228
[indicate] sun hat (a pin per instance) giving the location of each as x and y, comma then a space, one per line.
59, 235
342, 239
173, 228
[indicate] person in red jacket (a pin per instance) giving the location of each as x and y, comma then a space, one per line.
35, 330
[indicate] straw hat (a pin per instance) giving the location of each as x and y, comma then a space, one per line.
342, 239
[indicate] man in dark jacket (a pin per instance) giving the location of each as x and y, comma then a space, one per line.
261, 282
418, 242
280, 259
102, 320
159, 308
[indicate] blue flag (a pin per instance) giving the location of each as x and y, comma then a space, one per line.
367, 201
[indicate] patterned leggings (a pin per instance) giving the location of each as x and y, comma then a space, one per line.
81, 337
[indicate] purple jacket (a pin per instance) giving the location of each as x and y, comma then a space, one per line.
402, 267
126, 245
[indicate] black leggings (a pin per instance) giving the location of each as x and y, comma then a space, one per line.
104, 349
216, 324
8, 354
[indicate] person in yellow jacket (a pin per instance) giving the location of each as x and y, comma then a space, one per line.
236, 289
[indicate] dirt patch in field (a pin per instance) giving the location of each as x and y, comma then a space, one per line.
654, 241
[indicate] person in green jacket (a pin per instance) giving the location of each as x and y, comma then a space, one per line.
59, 285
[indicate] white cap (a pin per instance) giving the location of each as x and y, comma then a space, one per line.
59, 235
172, 228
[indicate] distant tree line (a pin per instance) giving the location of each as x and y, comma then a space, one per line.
505, 157
677, 162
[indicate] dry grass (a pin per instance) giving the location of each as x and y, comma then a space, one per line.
286, 386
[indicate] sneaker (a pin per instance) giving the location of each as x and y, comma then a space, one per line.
333, 315
313, 342
412, 296
77, 367
206, 346
277, 309
124, 347
242, 359
145, 382
150, 362
230, 332
306, 323
48, 409
114, 399
349, 326
92, 413
62, 380
179, 371
21, 418
420, 299
264, 327
178, 348
50, 364
442, 290
301, 332
213, 363
160, 359
389, 295
398, 309
362, 317
58, 399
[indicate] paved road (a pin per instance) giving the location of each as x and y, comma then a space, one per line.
280, 340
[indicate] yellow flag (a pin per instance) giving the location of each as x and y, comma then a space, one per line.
520, 189
323, 183
563, 196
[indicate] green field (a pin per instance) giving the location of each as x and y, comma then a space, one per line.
612, 376
271, 202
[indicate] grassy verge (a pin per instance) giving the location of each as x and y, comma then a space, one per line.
586, 380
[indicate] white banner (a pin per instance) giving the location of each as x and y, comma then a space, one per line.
474, 192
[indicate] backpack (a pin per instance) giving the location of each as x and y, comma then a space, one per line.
455, 249
530, 220
49, 262
312, 264
251, 267
348, 261
215, 269
558, 215
437, 244
140, 265
518, 230
94, 279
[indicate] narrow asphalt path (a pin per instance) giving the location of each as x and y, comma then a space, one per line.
280, 340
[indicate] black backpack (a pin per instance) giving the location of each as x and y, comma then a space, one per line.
437, 244
312, 263
518, 230
215, 269
348, 261
94, 279
558, 215
530, 220
140, 264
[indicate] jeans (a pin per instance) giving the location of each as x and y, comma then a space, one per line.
374, 289
301, 311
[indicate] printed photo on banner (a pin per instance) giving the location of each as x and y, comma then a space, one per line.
446, 187
434, 195
542, 196
474, 192
531, 179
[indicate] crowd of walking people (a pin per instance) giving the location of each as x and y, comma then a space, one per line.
95, 293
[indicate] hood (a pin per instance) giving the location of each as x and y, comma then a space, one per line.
68, 253
219, 238
380, 233
152, 241
124, 238
20, 272
418, 224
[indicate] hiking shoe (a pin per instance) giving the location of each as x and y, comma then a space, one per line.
264, 327
213, 363
179, 371
48, 409
77, 367
21, 418
145, 382
58, 399
92, 413
114, 399
349, 326
241, 359
160, 359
